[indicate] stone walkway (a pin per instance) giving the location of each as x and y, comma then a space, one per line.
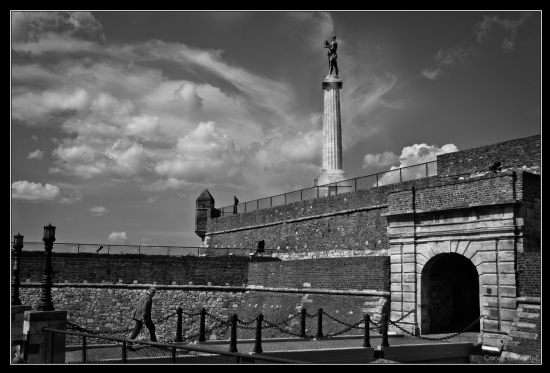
144, 355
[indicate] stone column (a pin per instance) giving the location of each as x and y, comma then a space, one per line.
332, 171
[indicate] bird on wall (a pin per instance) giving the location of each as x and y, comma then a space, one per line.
97, 251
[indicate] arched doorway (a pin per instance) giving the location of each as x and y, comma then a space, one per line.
449, 294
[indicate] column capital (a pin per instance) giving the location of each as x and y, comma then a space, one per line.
332, 82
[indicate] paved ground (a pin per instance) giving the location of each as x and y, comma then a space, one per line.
146, 355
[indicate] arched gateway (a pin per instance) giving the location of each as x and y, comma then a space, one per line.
450, 294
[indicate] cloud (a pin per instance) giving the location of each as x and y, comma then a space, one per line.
37, 154
410, 155
98, 211
30, 191
118, 237
446, 58
380, 160
32, 26
152, 199
494, 25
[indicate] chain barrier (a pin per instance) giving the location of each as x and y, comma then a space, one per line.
287, 320
247, 322
436, 338
344, 330
346, 324
411, 311
275, 326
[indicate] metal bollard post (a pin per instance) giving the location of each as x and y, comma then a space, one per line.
319, 323
52, 347
84, 349
303, 324
233, 341
366, 341
124, 356
202, 332
385, 331
179, 312
258, 344
174, 355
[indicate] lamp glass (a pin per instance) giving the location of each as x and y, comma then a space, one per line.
49, 231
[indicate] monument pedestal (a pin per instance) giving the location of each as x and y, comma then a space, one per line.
40, 341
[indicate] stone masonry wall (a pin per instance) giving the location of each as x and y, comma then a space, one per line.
108, 307
513, 154
127, 268
371, 273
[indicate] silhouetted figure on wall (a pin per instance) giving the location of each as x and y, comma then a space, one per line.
235, 203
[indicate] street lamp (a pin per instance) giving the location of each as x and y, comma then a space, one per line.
17, 246
45, 303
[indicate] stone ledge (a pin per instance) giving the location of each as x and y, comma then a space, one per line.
36, 316
138, 286
529, 300
321, 291
458, 207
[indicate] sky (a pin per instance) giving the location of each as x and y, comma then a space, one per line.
119, 120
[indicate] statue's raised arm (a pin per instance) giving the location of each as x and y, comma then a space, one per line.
332, 46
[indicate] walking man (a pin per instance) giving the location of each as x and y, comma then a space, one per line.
142, 315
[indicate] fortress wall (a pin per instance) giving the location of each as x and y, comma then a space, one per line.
372, 273
455, 194
529, 272
515, 153
77, 268
108, 307
348, 224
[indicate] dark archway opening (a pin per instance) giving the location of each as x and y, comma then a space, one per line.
450, 288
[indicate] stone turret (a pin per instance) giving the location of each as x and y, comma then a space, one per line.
204, 209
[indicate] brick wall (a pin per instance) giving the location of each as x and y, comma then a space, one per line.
77, 268
371, 273
487, 189
529, 270
515, 153
349, 221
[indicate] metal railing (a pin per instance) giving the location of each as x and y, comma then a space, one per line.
350, 185
127, 351
178, 251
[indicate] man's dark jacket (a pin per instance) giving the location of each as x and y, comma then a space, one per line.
143, 308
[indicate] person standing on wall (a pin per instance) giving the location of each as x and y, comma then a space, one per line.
142, 315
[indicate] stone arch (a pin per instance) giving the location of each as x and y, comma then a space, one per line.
449, 292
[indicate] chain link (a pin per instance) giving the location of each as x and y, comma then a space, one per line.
247, 322
436, 338
346, 324
411, 311
344, 330
275, 326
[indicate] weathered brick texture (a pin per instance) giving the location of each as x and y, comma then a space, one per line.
513, 154
529, 270
77, 268
371, 273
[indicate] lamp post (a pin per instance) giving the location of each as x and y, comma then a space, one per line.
17, 246
45, 303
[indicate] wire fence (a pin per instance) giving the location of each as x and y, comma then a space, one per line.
364, 182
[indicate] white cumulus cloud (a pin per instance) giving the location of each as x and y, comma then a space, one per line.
98, 210
118, 237
30, 191
37, 154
